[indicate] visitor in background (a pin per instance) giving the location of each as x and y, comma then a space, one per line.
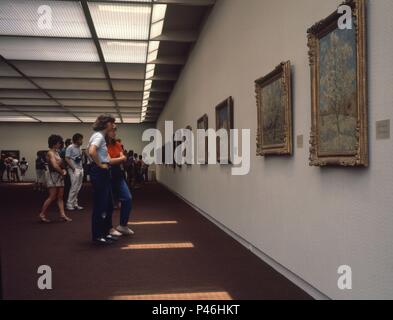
40, 167
54, 178
73, 158
15, 170
8, 165
145, 170
120, 190
67, 179
2, 167
137, 170
101, 181
129, 167
23, 167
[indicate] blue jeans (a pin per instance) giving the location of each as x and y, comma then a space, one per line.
121, 193
102, 202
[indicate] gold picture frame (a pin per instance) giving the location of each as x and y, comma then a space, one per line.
225, 120
339, 129
274, 105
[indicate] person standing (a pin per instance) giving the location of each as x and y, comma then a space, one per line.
67, 180
8, 165
15, 170
23, 167
54, 177
73, 157
129, 166
121, 192
40, 167
101, 181
2, 167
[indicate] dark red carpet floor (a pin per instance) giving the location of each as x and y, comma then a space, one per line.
215, 267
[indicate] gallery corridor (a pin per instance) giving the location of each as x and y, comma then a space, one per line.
175, 254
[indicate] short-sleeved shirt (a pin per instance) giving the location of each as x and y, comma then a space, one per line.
15, 164
98, 140
115, 149
75, 154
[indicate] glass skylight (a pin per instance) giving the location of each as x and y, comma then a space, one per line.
48, 49
124, 51
121, 21
43, 18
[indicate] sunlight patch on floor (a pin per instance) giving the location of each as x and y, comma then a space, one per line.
142, 223
204, 296
158, 246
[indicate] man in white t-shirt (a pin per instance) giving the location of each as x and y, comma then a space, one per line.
73, 158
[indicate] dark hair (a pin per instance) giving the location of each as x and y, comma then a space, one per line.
53, 140
140, 157
102, 121
68, 142
77, 137
135, 155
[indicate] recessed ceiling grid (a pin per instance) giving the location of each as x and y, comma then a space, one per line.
93, 56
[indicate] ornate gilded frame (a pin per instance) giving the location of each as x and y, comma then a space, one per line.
282, 72
204, 122
228, 105
315, 33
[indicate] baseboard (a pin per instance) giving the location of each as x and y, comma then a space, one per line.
301, 283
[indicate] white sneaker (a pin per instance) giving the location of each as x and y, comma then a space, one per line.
115, 233
70, 208
125, 231
79, 208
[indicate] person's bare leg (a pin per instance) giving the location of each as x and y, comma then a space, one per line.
60, 204
47, 203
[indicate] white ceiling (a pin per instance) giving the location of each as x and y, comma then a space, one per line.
88, 57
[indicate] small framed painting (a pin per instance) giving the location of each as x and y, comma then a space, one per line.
339, 129
224, 120
203, 157
274, 105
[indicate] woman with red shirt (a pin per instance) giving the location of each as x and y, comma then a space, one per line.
120, 189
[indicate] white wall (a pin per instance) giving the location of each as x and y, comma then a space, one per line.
32, 137
310, 220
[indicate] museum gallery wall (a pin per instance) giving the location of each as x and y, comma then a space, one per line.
309, 220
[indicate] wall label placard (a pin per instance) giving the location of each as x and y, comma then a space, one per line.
383, 130
300, 141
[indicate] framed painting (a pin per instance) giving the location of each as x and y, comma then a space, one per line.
185, 152
15, 154
339, 131
224, 120
274, 104
203, 124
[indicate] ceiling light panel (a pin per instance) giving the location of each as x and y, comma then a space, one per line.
159, 11
52, 119
43, 18
124, 51
48, 49
121, 21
